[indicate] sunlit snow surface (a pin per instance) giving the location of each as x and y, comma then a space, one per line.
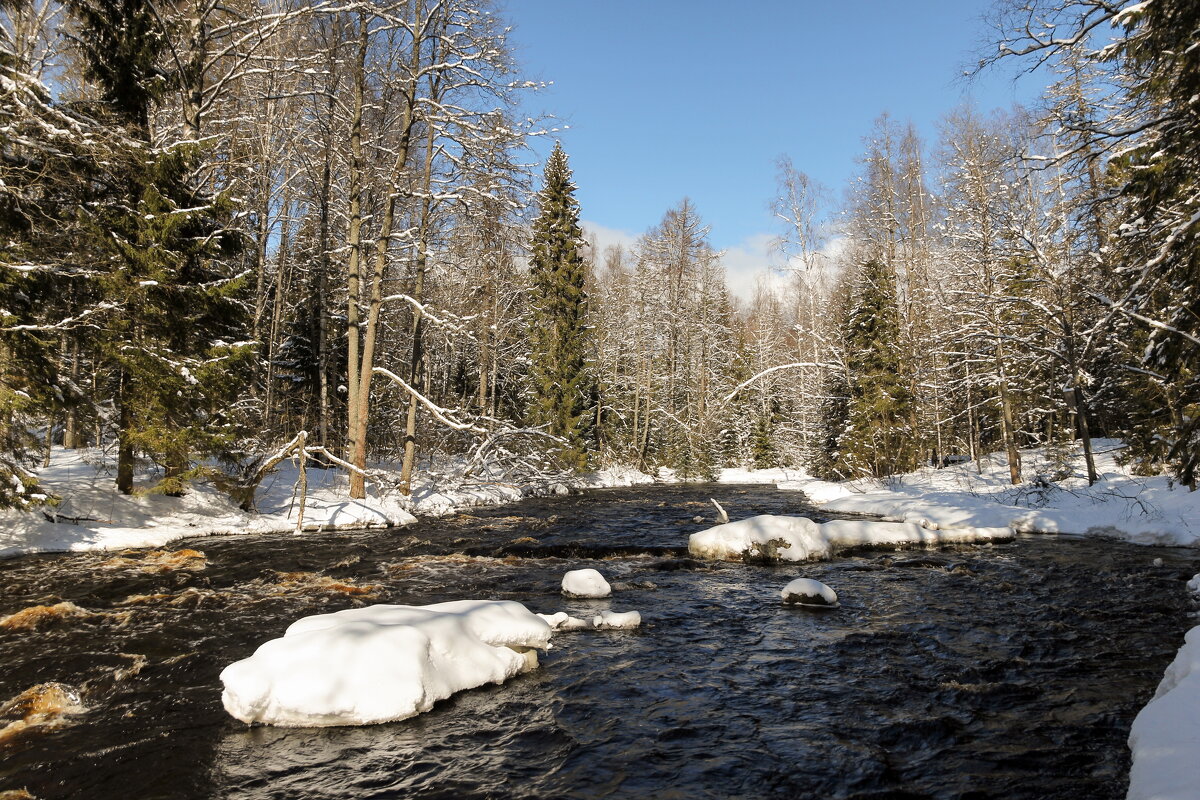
585, 583
381, 663
780, 538
1143, 510
807, 592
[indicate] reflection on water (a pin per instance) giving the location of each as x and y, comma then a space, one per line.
1010, 670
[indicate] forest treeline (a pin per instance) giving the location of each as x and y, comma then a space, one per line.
235, 232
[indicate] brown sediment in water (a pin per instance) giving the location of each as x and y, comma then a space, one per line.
452, 559
16, 794
307, 582
190, 596
46, 705
35, 617
160, 561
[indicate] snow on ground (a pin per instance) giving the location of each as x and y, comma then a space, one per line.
382, 663
1143, 510
778, 538
735, 475
743, 475
94, 516
1166, 733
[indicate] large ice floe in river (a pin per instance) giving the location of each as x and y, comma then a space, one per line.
777, 538
382, 663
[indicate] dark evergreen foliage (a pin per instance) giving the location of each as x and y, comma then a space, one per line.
878, 439
560, 376
1160, 248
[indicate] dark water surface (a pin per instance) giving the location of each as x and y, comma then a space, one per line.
1012, 670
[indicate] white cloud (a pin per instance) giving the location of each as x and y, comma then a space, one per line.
603, 237
747, 263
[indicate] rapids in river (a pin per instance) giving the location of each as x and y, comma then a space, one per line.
1008, 670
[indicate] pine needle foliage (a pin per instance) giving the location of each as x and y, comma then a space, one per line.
878, 439
1160, 248
561, 379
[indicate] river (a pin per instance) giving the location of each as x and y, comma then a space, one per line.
1007, 670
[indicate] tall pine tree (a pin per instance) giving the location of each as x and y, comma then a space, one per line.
561, 377
878, 439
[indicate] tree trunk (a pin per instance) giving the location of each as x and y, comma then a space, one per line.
124, 446
71, 426
354, 277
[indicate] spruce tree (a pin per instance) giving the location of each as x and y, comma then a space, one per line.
878, 439
176, 347
561, 378
1160, 248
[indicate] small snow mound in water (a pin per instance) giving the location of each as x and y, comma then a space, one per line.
382, 663
807, 592
616, 621
585, 583
1194, 584
777, 538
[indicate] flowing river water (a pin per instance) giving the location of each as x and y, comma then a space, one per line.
1009, 670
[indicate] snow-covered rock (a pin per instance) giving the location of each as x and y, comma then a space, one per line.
1166, 733
616, 620
1194, 584
562, 621
381, 663
807, 592
585, 583
779, 538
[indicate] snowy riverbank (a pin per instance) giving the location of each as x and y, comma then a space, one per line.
92, 515
1142, 510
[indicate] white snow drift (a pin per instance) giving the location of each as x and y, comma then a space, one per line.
1143, 510
1166, 733
382, 663
778, 538
586, 583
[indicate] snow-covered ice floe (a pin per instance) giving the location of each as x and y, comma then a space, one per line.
777, 538
1165, 738
585, 583
382, 663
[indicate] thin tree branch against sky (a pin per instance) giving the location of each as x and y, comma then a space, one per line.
696, 97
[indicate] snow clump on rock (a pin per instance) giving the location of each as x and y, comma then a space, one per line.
585, 583
382, 663
807, 592
616, 620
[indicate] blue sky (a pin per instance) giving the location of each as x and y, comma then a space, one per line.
697, 98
